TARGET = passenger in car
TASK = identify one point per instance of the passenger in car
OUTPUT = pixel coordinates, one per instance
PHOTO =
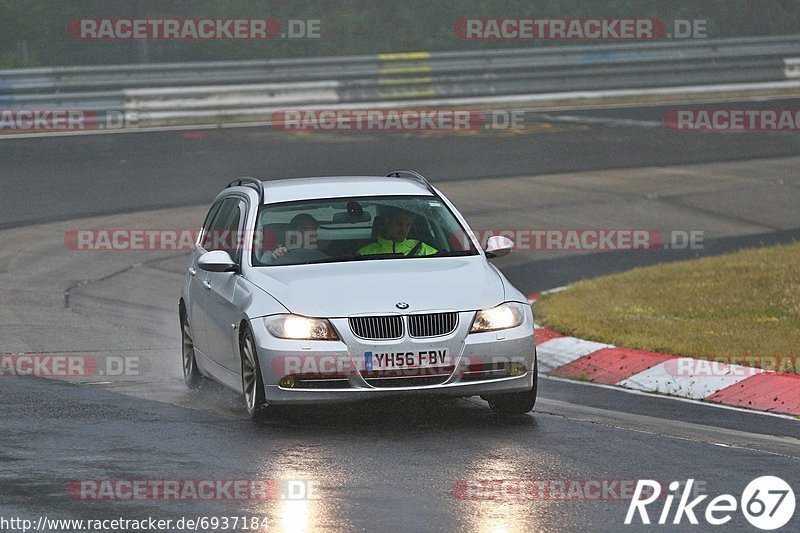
(301, 233)
(393, 237)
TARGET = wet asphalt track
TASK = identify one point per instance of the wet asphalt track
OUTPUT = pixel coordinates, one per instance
(377, 467)
(390, 465)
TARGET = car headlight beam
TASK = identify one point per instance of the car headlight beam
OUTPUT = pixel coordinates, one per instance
(503, 316)
(298, 327)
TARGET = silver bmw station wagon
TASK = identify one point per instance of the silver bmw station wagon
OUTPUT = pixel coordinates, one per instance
(337, 289)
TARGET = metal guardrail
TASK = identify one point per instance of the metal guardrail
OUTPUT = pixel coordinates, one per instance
(210, 92)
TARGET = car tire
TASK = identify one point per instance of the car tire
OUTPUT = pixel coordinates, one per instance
(191, 374)
(516, 403)
(252, 383)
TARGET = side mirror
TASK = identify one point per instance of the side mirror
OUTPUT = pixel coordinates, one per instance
(498, 246)
(217, 261)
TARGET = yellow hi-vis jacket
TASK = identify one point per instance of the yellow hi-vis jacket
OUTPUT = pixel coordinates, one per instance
(386, 246)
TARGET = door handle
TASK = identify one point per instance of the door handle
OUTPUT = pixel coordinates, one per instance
(192, 271)
(206, 284)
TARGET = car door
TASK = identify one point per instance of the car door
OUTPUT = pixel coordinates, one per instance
(196, 290)
(222, 314)
(213, 238)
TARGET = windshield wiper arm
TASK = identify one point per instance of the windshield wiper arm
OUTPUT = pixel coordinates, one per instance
(454, 253)
(356, 258)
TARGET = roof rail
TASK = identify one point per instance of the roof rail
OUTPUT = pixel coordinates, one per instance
(414, 175)
(247, 181)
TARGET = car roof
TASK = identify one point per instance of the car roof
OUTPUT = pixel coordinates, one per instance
(292, 189)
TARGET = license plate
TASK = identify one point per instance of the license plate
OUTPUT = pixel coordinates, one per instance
(405, 360)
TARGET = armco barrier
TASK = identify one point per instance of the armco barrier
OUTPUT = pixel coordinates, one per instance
(219, 92)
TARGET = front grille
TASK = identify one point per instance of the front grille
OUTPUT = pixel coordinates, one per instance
(320, 382)
(432, 325)
(377, 327)
(420, 377)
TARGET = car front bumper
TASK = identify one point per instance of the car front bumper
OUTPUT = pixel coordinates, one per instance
(479, 365)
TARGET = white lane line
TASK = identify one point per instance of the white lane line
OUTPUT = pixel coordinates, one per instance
(667, 378)
(672, 398)
(533, 298)
(609, 121)
(562, 350)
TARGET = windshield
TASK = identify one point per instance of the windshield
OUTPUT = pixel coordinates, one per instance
(357, 229)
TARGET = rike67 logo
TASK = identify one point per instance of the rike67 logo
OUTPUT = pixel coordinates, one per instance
(767, 503)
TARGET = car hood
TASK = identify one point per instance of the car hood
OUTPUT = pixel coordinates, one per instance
(358, 287)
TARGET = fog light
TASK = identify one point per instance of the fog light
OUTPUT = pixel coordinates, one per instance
(286, 382)
(515, 369)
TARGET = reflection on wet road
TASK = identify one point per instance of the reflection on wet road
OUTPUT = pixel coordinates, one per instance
(426, 464)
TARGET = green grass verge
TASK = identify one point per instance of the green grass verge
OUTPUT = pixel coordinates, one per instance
(730, 307)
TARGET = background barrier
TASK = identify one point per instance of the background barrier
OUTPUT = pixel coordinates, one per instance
(247, 91)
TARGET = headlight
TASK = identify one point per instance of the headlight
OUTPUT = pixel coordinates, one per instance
(300, 327)
(504, 316)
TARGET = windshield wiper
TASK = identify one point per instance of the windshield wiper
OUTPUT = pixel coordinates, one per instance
(356, 258)
(454, 253)
(397, 255)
